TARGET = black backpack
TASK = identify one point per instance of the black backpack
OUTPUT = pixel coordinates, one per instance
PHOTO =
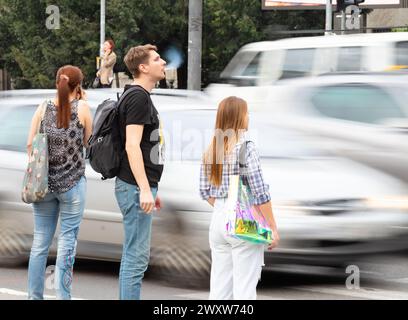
(106, 146)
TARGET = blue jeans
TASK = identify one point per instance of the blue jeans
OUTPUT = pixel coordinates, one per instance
(136, 247)
(70, 207)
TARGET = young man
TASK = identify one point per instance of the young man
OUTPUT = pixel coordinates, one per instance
(141, 167)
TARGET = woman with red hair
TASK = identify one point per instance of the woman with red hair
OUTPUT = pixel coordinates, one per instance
(67, 122)
(108, 61)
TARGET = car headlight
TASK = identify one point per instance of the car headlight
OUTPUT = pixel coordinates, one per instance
(339, 206)
(322, 207)
(390, 202)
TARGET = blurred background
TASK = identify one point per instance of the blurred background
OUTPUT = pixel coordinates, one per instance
(329, 115)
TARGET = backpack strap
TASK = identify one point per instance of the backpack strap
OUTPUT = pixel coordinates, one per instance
(122, 100)
(134, 89)
(122, 97)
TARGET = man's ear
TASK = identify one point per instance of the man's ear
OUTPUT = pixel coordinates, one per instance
(143, 68)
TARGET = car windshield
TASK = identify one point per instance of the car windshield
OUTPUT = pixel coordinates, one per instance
(358, 102)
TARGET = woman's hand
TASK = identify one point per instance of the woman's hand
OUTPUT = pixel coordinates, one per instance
(82, 94)
(211, 201)
(275, 241)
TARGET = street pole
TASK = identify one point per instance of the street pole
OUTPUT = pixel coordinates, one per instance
(329, 17)
(102, 40)
(195, 9)
(343, 21)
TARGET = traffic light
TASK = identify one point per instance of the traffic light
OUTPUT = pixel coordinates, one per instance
(342, 4)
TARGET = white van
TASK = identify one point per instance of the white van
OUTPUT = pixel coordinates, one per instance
(264, 63)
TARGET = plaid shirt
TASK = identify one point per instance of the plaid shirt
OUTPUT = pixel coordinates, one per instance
(252, 172)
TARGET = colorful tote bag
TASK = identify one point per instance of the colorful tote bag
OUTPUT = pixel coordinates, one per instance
(244, 220)
(35, 183)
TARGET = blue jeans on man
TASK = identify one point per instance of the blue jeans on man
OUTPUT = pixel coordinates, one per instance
(136, 246)
(69, 207)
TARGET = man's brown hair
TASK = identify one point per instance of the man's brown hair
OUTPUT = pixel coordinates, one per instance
(137, 56)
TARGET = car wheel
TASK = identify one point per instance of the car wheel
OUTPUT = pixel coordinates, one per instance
(180, 264)
(14, 247)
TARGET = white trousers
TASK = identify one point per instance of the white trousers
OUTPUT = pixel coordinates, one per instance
(236, 264)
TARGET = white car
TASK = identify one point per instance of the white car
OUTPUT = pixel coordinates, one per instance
(258, 67)
(328, 210)
(363, 117)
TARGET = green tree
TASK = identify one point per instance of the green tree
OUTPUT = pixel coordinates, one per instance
(32, 53)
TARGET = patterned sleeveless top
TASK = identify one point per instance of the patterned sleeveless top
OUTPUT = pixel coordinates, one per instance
(65, 147)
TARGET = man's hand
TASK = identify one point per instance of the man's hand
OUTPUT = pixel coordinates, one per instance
(146, 201)
(158, 204)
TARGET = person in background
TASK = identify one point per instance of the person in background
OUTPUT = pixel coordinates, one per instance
(108, 60)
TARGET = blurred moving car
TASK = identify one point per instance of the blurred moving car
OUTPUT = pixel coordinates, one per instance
(329, 210)
(361, 116)
(259, 66)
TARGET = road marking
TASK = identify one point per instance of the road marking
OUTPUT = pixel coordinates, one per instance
(363, 293)
(25, 294)
(204, 296)
(194, 296)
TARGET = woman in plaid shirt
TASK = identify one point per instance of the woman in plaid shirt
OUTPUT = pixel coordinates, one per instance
(236, 264)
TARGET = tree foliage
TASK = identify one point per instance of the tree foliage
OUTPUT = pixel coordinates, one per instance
(32, 53)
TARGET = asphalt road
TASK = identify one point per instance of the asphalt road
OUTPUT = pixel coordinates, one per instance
(385, 278)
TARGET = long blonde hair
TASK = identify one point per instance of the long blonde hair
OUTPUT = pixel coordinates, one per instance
(231, 122)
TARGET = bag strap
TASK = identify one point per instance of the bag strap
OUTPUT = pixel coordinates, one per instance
(122, 97)
(134, 89)
(243, 155)
(43, 109)
(242, 161)
(121, 100)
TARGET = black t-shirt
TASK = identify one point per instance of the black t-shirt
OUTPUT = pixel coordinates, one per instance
(138, 108)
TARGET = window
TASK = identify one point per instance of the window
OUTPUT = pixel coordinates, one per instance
(252, 68)
(243, 69)
(297, 63)
(355, 102)
(402, 54)
(244, 62)
(349, 59)
(14, 127)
